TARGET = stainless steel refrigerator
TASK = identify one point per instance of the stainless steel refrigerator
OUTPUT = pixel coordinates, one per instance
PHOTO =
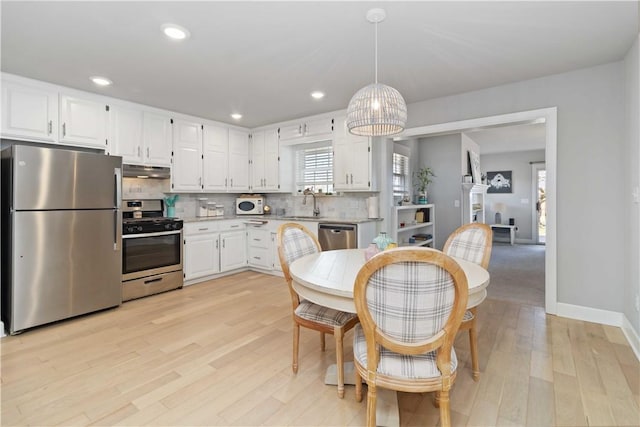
(61, 234)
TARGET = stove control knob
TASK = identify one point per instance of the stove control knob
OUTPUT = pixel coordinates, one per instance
(175, 226)
(139, 228)
(130, 229)
(167, 226)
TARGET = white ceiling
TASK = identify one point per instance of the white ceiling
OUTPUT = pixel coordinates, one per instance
(503, 139)
(262, 59)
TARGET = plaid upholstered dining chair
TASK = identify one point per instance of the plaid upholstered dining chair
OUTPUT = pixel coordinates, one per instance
(471, 242)
(410, 302)
(295, 241)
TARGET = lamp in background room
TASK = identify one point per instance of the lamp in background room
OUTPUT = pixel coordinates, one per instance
(499, 209)
(376, 109)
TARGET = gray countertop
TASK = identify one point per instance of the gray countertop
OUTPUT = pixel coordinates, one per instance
(285, 218)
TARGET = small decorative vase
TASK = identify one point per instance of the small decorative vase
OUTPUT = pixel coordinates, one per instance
(498, 218)
(382, 241)
(171, 211)
(370, 251)
(422, 198)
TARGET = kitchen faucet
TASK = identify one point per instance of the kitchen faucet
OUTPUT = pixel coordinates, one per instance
(306, 192)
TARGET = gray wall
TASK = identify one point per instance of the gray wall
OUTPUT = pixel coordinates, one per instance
(632, 181)
(591, 217)
(442, 154)
(522, 187)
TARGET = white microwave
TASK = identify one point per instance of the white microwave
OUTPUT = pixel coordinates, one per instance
(250, 206)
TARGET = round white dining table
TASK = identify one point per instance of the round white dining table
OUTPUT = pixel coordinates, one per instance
(327, 278)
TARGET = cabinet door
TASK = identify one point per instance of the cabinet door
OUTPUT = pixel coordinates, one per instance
(82, 122)
(341, 164)
(125, 136)
(238, 161)
(359, 160)
(187, 156)
(201, 255)
(271, 160)
(157, 139)
(318, 127)
(233, 253)
(291, 132)
(30, 113)
(275, 259)
(257, 161)
(215, 146)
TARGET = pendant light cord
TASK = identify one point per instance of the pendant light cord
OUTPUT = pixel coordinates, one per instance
(376, 50)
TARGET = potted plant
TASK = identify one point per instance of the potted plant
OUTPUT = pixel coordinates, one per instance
(422, 178)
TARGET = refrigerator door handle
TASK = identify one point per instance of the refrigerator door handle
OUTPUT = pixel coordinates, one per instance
(117, 231)
(117, 174)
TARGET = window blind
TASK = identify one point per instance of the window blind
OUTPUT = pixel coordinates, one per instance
(400, 174)
(314, 167)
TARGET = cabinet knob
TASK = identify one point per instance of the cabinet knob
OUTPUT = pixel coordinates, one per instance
(64, 129)
(50, 129)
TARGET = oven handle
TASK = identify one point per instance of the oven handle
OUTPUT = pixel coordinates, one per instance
(159, 233)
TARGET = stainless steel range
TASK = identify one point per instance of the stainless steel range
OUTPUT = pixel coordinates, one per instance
(151, 250)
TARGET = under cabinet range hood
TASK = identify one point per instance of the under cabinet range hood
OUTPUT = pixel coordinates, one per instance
(138, 171)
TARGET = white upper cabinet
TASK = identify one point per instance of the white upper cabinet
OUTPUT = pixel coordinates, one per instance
(29, 112)
(125, 133)
(83, 122)
(238, 160)
(352, 161)
(307, 131)
(156, 139)
(186, 174)
(265, 161)
(215, 157)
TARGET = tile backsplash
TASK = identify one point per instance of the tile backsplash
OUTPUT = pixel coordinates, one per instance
(344, 206)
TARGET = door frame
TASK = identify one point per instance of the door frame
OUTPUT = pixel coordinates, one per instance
(549, 116)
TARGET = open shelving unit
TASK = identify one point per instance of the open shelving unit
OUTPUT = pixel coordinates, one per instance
(473, 203)
(407, 215)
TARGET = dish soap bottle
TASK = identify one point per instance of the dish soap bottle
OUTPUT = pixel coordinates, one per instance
(382, 241)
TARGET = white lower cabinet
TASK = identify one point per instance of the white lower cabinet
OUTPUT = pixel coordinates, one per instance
(259, 247)
(233, 252)
(213, 247)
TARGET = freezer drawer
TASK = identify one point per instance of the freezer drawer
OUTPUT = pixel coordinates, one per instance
(63, 264)
(338, 236)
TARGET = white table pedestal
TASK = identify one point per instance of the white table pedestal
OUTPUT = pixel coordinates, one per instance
(387, 410)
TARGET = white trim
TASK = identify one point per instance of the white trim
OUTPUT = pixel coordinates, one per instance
(543, 115)
(535, 167)
(2, 333)
(631, 335)
(589, 314)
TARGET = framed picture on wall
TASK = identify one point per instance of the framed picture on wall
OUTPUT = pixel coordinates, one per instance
(499, 182)
(474, 166)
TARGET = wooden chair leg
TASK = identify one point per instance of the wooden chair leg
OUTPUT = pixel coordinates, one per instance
(371, 405)
(436, 399)
(322, 341)
(296, 345)
(445, 415)
(358, 385)
(339, 335)
(473, 345)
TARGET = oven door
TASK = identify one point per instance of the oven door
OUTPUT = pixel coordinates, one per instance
(151, 253)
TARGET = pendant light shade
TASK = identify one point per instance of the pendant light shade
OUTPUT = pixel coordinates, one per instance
(376, 109)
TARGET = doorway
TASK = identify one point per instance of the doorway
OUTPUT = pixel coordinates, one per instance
(539, 181)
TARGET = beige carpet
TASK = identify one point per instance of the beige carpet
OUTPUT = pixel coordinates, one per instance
(517, 273)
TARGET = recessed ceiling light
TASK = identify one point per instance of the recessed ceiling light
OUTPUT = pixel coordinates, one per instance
(236, 116)
(101, 81)
(175, 32)
(317, 94)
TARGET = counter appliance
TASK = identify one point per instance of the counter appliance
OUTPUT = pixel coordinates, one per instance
(250, 205)
(61, 234)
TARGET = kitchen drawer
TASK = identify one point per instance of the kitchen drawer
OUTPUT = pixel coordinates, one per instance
(259, 238)
(259, 257)
(231, 225)
(200, 227)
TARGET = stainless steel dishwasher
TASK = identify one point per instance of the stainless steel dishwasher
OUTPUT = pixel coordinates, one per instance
(338, 236)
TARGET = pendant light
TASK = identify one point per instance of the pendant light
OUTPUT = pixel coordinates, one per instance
(376, 109)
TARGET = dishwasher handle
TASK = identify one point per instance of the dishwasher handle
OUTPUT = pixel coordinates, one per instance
(338, 227)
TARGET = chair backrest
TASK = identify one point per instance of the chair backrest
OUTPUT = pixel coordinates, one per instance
(294, 241)
(411, 301)
(471, 242)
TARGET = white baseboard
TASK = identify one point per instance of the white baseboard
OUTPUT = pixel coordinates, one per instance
(632, 336)
(2, 334)
(589, 314)
(605, 317)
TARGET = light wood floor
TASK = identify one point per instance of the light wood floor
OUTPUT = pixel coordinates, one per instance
(219, 353)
